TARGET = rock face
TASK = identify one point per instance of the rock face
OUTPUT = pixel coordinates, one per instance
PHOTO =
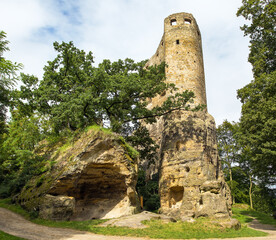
(191, 180)
(93, 178)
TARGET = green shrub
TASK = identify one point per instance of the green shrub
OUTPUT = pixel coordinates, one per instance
(149, 191)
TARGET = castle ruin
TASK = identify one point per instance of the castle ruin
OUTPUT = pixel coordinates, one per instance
(191, 182)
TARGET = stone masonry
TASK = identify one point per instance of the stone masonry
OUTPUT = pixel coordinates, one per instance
(191, 181)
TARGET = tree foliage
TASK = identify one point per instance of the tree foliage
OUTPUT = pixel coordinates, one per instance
(262, 16)
(148, 190)
(258, 123)
(240, 172)
(74, 94)
(229, 151)
(7, 79)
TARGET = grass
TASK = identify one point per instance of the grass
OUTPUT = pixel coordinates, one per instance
(131, 151)
(202, 228)
(6, 203)
(98, 128)
(246, 215)
(6, 236)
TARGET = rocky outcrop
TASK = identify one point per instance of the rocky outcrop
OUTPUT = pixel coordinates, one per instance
(93, 178)
(191, 181)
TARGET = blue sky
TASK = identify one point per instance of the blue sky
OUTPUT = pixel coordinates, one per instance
(117, 29)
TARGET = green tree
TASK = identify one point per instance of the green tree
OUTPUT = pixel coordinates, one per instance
(241, 190)
(262, 15)
(229, 150)
(18, 162)
(248, 171)
(239, 169)
(148, 190)
(258, 123)
(8, 78)
(74, 94)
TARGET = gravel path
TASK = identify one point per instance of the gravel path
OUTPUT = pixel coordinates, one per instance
(18, 226)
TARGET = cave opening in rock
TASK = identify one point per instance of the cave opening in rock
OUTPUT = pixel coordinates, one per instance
(176, 196)
(100, 192)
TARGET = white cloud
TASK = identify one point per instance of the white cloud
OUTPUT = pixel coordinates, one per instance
(132, 28)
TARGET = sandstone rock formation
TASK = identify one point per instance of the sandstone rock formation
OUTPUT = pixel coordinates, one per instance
(93, 178)
(191, 180)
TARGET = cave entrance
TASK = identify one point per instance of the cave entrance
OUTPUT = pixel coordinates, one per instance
(100, 192)
(175, 196)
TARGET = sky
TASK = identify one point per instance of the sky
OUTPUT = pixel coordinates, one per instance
(119, 29)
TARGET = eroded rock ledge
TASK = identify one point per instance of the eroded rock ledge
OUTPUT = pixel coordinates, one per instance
(93, 178)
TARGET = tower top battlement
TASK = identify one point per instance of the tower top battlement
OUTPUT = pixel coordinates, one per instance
(179, 20)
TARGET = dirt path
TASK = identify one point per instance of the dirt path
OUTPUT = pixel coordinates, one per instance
(18, 226)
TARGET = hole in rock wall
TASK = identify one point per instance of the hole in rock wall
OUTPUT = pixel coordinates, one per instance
(176, 196)
(177, 41)
(173, 22)
(187, 169)
(201, 201)
(97, 191)
(178, 145)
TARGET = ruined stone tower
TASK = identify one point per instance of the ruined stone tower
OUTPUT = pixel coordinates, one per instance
(191, 182)
(181, 49)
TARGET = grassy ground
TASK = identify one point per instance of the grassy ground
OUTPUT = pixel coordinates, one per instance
(6, 236)
(245, 215)
(202, 228)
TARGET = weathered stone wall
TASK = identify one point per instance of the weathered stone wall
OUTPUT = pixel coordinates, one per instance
(181, 49)
(191, 181)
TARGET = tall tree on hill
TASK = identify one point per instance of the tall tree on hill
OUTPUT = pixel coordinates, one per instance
(258, 123)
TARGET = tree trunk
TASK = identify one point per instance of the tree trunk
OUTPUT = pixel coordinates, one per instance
(231, 178)
(250, 191)
(231, 183)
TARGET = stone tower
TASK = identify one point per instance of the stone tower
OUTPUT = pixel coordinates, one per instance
(181, 49)
(191, 182)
